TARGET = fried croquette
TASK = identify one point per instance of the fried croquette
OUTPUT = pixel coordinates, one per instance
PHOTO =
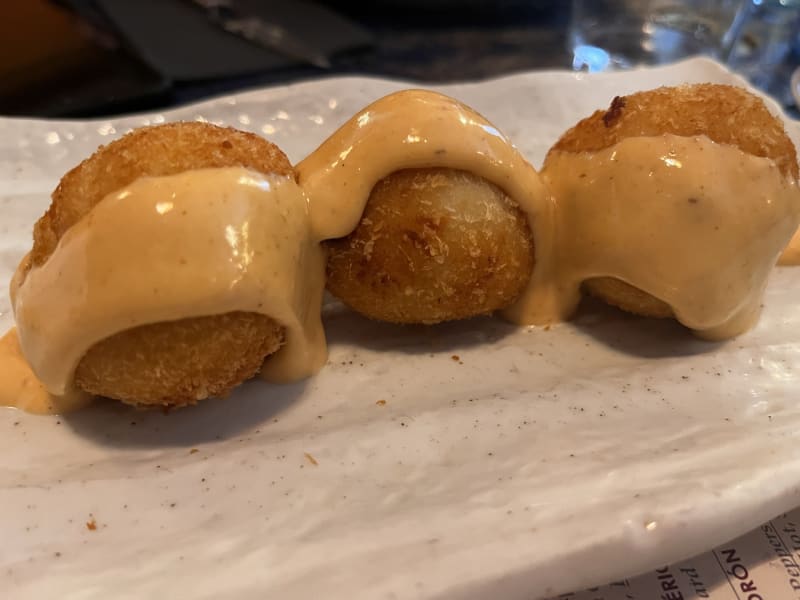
(725, 114)
(170, 363)
(433, 245)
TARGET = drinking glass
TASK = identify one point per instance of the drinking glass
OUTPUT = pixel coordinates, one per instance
(620, 34)
(763, 44)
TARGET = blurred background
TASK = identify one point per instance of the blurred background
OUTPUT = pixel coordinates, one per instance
(87, 58)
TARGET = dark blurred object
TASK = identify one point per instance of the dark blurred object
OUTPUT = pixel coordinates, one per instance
(459, 40)
(54, 65)
(146, 53)
(203, 50)
(263, 30)
(104, 57)
(449, 14)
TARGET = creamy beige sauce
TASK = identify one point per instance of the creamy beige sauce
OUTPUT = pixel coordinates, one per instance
(696, 224)
(693, 223)
(203, 242)
(21, 389)
(791, 254)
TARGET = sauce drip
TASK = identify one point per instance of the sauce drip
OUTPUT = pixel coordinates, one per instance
(791, 254)
(21, 389)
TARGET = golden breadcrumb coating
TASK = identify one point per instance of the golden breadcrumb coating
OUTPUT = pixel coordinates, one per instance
(623, 295)
(433, 245)
(723, 113)
(179, 362)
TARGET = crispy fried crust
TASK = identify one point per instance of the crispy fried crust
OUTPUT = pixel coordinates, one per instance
(179, 362)
(433, 245)
(723, 113)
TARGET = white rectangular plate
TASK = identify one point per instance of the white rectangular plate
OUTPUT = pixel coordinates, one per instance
(506, 462)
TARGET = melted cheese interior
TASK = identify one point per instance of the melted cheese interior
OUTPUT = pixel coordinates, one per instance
(694, 223)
